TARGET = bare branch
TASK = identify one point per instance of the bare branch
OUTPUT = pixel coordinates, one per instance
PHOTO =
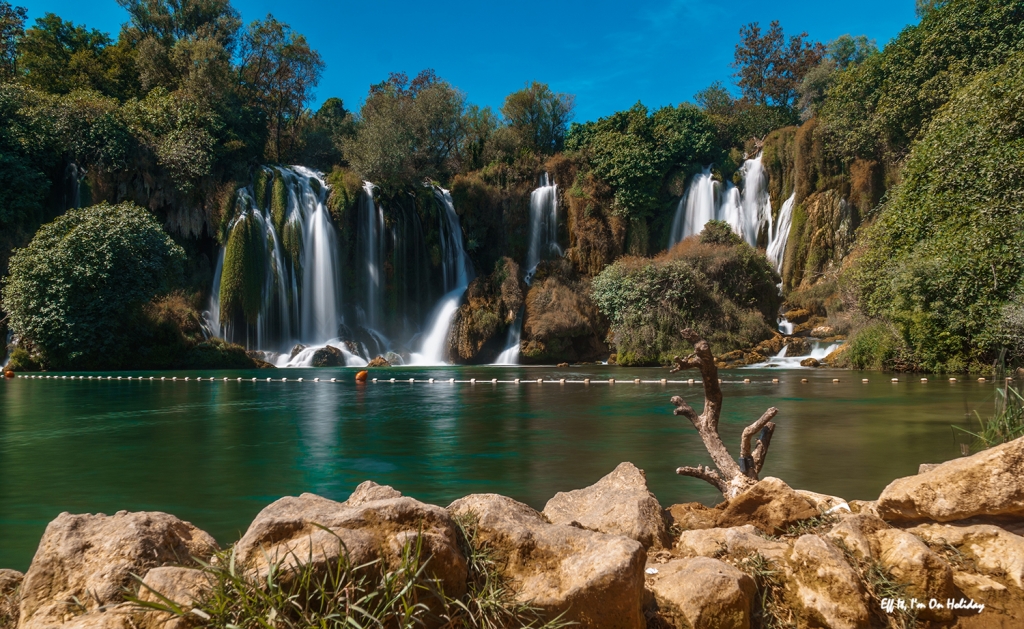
(761, 451)
(705, 474)
(684, 409)
(749, 431)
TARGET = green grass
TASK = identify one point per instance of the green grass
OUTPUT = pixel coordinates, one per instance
(1006, 422)
(769, 607)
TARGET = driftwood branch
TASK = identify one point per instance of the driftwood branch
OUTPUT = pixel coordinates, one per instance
(731, 477)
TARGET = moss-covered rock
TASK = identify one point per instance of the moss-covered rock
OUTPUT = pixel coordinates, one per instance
(492, 304)
(561, 321)
(279, 203)
(821, 235)
(244, 273)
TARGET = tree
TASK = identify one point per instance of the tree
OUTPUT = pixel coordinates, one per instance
(769, 70)
(12, 27)
(71, 292)
(538, 117)
(408, 131)
(924, 7)
(57, 56)
(730, 478)
(277, 73)
(479, 125)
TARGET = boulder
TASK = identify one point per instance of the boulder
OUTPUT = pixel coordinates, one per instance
(736, 541)
(594, 579)
(797, 315)
(379, 361)
(702, 593)
(823, 332)
(910, 561)
(828, 592)
(810, 362)
(93, 557)
(837, 358)
(989, 483)
(184, 586)
(369, 491)
(311, 530)
(328, 356)
(618, 504)
(797, 346)
(770, 505)
(296, 351)
(690, 516)
(10, 580)
(857, 532)
(864, 506)
(994, 550)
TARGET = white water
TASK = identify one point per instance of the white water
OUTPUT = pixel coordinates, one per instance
(543, 244)
(371, 245)
(457, 270)
(781, 361)
(785, 326)
(747, 211)
(776, 252)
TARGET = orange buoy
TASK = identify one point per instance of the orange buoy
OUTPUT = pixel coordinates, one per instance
(8, 374)
(361, 376)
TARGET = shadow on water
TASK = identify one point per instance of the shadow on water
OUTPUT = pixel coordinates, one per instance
(215, 453)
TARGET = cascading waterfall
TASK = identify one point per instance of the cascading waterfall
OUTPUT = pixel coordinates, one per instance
(543, 244)
(293, 238)
(781, 360)
(777, 245)
(371, 245)
(747, 210)
(457, 271)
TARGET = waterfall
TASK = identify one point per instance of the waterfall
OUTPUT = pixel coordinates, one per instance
(371, 245)
(781, 360)
(457, 271)
(300, 296)
(543, 244)
(543, 225)
(746, 210)
(777, 245)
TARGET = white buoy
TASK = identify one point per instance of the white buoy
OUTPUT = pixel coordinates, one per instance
(239, 380)
(392, 380)
(516, 380)
(174, 378)
(864, 380)
(431, 381)
(254, 379)
(835, 380)
(952, 379)
(664, 380)
(894, 380)
(803, 379)
(412, 380)
(981, 380)
(451, 380)
(690, 381)
(636, 381)
(611, 380)
(334, 379)
(494, 381)
(746, 381)
(561, 381)
(316, 379)
(270, 379)
(924, 379)
(775, 380)
(472, 380)
(284, 379)
(540, 381)
(300, 379)
(586, 381)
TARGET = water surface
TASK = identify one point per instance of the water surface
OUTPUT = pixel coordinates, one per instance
(215, 453)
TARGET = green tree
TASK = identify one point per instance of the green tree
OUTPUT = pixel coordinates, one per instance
(538, 117)
(71, 292)
(12, 27)
(58, 56)
(278, 72)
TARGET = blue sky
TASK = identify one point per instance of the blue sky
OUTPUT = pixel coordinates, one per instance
(609, 54)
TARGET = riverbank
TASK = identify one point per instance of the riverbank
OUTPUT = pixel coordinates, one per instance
(605, 556)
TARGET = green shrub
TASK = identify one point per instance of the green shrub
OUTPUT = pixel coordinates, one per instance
(727, 293)
(72, 290)
(946, 253)
(719, 233)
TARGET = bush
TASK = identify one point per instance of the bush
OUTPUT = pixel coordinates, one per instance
(946, 254)
(726, 292)
(73, 290)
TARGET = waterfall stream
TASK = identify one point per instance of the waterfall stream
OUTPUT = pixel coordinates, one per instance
(747, 211)
(777, 245)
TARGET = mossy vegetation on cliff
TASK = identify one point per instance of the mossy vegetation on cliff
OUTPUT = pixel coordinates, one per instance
(711, 283)
(242, 279)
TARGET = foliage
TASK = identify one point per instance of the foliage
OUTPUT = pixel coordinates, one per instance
(278, 71)
(1006, 422)
(726, 292)
(946, 255)
(841, 53)
(879, 107)
(634, 151)
(768, 68)
(538, 118)
(242, 276)
(718, 233)
(70, 290)
(409, 130)
(12, 27)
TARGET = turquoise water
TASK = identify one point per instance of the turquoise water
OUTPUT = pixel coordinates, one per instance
(215, 453)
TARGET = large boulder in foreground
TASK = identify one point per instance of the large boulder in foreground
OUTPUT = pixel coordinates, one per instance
(596, 580)
(184, 586)
(376, 523)
(990, 483)
(618, 504)
(92, 558)
(993, 550)
(828, 592)
(770, 504)
(702, 593)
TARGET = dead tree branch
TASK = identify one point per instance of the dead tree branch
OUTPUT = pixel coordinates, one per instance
(730, 477)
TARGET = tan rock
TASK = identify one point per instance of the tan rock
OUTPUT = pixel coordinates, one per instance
(995, 551)
(703, 593)
(691, 516)
(93, 557)
(596, 580)
(312, 530)
(810, 362)
(369, 491)
(864, 506)
(988, 483)
(182, 586)
(857, 532)
(837, 358)
(10, 580)
(618, 504)
(770, 505)
(736, 541)
(824, 502)
(827, 590)
(910, 561)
